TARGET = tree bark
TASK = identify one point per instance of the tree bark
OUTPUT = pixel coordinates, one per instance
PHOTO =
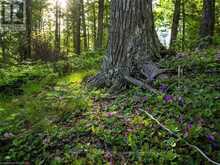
(77, 27)
(2, 44)
(184, 25)
(27, 52)
(94, 24)
(100, 24)
(84, 25)
(67, 38)
(132, 45)
(208, 19)
(57, 28)
(175, 24)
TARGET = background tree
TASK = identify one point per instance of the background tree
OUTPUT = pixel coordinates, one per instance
(94, 31)
(217, 19)
(78, 28)
(2, 44)
(84, 27)
(100, 23)
(57, 26)
(27, 53)
(208, 19)
(175, 24)
(76, 25)
(183, 24)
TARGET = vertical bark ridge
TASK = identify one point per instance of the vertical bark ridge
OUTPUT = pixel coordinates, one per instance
(208, 18)
(130, 24)
(132, 42)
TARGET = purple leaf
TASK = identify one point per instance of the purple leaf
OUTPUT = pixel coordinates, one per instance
(110, 114)
(189, 126)
(168, 98)
(163, 88)
(211, 138)
(145, 98)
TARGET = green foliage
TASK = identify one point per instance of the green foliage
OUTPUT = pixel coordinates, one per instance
(57, 120)
(216, 40)
(87, 60)
(195, 61)
(11, 75)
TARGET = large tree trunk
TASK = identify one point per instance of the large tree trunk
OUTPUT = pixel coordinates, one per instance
(175, 24)
(208, 19)
(100, 24)
(132, 46)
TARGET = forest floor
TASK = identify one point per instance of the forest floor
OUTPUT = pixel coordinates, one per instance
(49, 115)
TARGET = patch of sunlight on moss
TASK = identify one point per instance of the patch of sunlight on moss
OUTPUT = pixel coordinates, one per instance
(7, 114)
(1, 109)
(76, 78)
(11, 116)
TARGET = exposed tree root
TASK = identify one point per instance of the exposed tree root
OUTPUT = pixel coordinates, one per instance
(97, 81)
(152, 72)
(141, 84)
(118, 79)
(167, 52)
(100, 81)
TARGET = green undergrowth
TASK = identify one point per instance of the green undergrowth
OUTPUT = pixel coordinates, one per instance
(57, 119)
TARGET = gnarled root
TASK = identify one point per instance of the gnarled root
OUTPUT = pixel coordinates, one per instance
(98, 81)
(118, 80)
(141, 84)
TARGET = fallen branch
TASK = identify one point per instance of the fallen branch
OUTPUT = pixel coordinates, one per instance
(172, 133)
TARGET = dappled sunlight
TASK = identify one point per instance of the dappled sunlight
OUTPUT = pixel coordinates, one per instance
(93, 82)
(61, 3)
(76, 78)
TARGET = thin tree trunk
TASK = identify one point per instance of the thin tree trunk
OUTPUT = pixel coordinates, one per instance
(94, 24)
(175, 24)
(67, 35)
(87, 38)
(78, 28)
(132, 47)
(28, 40)
(73, 14)
(100, 24)
(208, 19)
(57, 29)
(106, 23)
(84, 26)
(184, 24)
(2, 44)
